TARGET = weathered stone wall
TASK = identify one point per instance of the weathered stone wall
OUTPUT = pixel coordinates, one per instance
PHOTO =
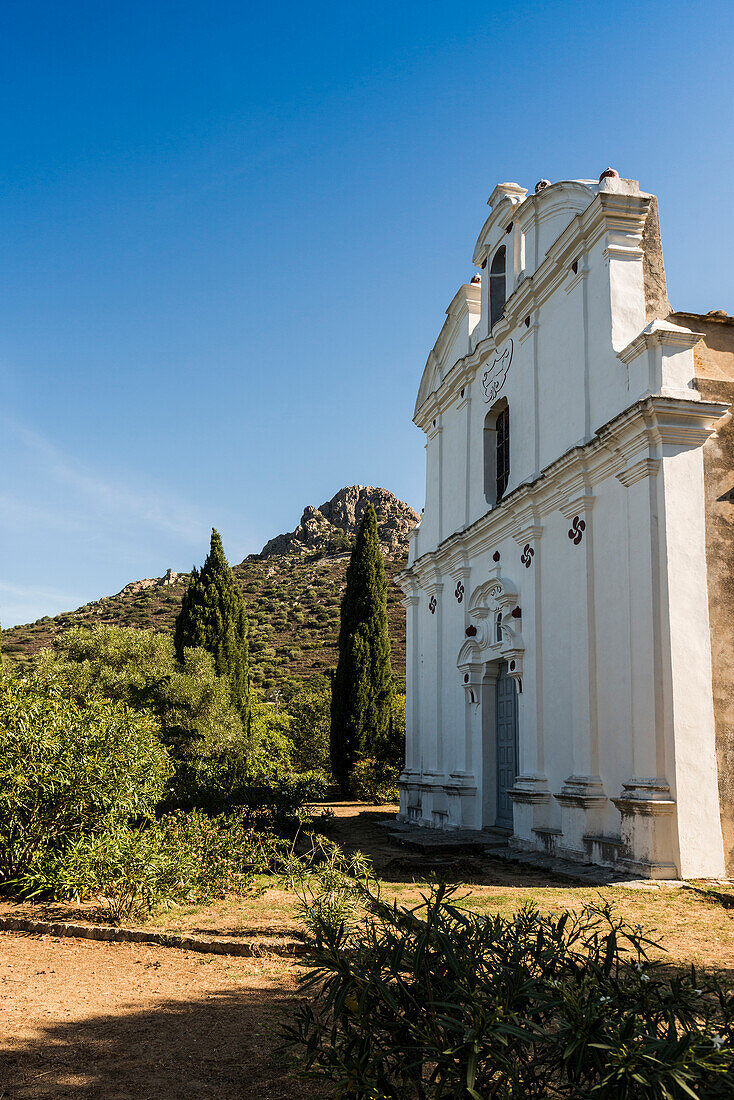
(653, 268)
(714, 358)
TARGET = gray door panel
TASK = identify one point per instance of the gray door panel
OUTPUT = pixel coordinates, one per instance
(506, 722)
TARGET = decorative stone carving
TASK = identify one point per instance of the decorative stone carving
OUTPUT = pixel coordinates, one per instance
(493, 379)
(496, 595)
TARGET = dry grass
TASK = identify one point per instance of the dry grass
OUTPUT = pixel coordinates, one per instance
(100, 1021)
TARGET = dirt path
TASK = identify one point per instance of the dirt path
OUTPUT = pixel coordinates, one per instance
(100, 1021)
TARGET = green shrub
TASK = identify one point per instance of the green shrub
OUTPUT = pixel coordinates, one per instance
(127, 870)
(443, 1003)
(181, 857)
(263, 785)
(278, 802)
(374, 781)
(69, 767)
(139, 667)
(309, 710)
(198, 724)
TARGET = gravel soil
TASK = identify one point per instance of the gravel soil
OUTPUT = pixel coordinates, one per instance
(84, 1020)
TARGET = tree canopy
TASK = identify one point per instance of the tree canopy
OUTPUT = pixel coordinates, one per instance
(212, 617)
(362, 692)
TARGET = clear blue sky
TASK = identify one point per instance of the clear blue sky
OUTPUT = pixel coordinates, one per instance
(230, 231)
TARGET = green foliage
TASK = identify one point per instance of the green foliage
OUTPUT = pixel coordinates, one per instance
(280, 802)
(440, 1002)
(181, 857)
(363, 684)
(309, 711)
(198, 724)
(127, 870)
(375, 781)
(262, 786)
(272, 745)
(68, 767)
(212, 617)
(331, 887)
(274, 794)
(395, 750)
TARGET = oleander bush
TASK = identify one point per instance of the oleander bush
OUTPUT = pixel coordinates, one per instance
(436, 1002)
(69, 767)
(178, 858)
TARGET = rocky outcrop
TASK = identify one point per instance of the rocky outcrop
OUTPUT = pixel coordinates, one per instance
(130, 589)
(334, 524)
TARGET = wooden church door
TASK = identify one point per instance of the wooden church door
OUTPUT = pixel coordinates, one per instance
(506, 740)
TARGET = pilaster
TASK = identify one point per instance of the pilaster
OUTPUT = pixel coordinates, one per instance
(411, 603)
(648, 824)
(582, 798)
(669, 805)
(433, 756)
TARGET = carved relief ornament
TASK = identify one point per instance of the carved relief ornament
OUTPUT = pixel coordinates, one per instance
(493, 610)
(494, 377)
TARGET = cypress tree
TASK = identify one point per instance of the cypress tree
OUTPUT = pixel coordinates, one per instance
(213, 617)
(362, 689)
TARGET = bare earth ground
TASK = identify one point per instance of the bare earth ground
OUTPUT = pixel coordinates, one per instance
(89, 1020)
(111, 1021)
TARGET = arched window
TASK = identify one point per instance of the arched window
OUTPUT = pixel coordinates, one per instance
(497, 286)
(498, 627)
(502, 429)
(496, 452)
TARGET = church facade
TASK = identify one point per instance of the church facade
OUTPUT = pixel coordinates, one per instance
(570, 588)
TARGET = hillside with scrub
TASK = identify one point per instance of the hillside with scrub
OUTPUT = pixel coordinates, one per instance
(292, 590)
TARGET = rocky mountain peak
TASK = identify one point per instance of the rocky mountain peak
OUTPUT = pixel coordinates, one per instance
(335, 523)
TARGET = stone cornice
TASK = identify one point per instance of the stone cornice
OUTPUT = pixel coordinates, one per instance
(504, 201)
(461, 374)
(528, 207)
(628, 447)
(659, 333)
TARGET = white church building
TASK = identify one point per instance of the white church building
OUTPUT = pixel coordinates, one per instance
(570, 587)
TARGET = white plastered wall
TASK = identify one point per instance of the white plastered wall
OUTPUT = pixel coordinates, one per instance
(616, 755)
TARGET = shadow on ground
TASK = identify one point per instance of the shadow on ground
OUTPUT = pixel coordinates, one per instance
(224, 1046)
(361, 830)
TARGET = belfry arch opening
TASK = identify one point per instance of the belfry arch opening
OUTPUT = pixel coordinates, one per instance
(497, 286)
(496, 452)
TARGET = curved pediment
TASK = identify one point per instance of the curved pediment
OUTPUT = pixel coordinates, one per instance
(430, 381)
(496, 594)
(453, 340)
(498, 635)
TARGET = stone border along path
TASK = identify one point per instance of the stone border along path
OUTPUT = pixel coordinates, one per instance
(244, 948)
